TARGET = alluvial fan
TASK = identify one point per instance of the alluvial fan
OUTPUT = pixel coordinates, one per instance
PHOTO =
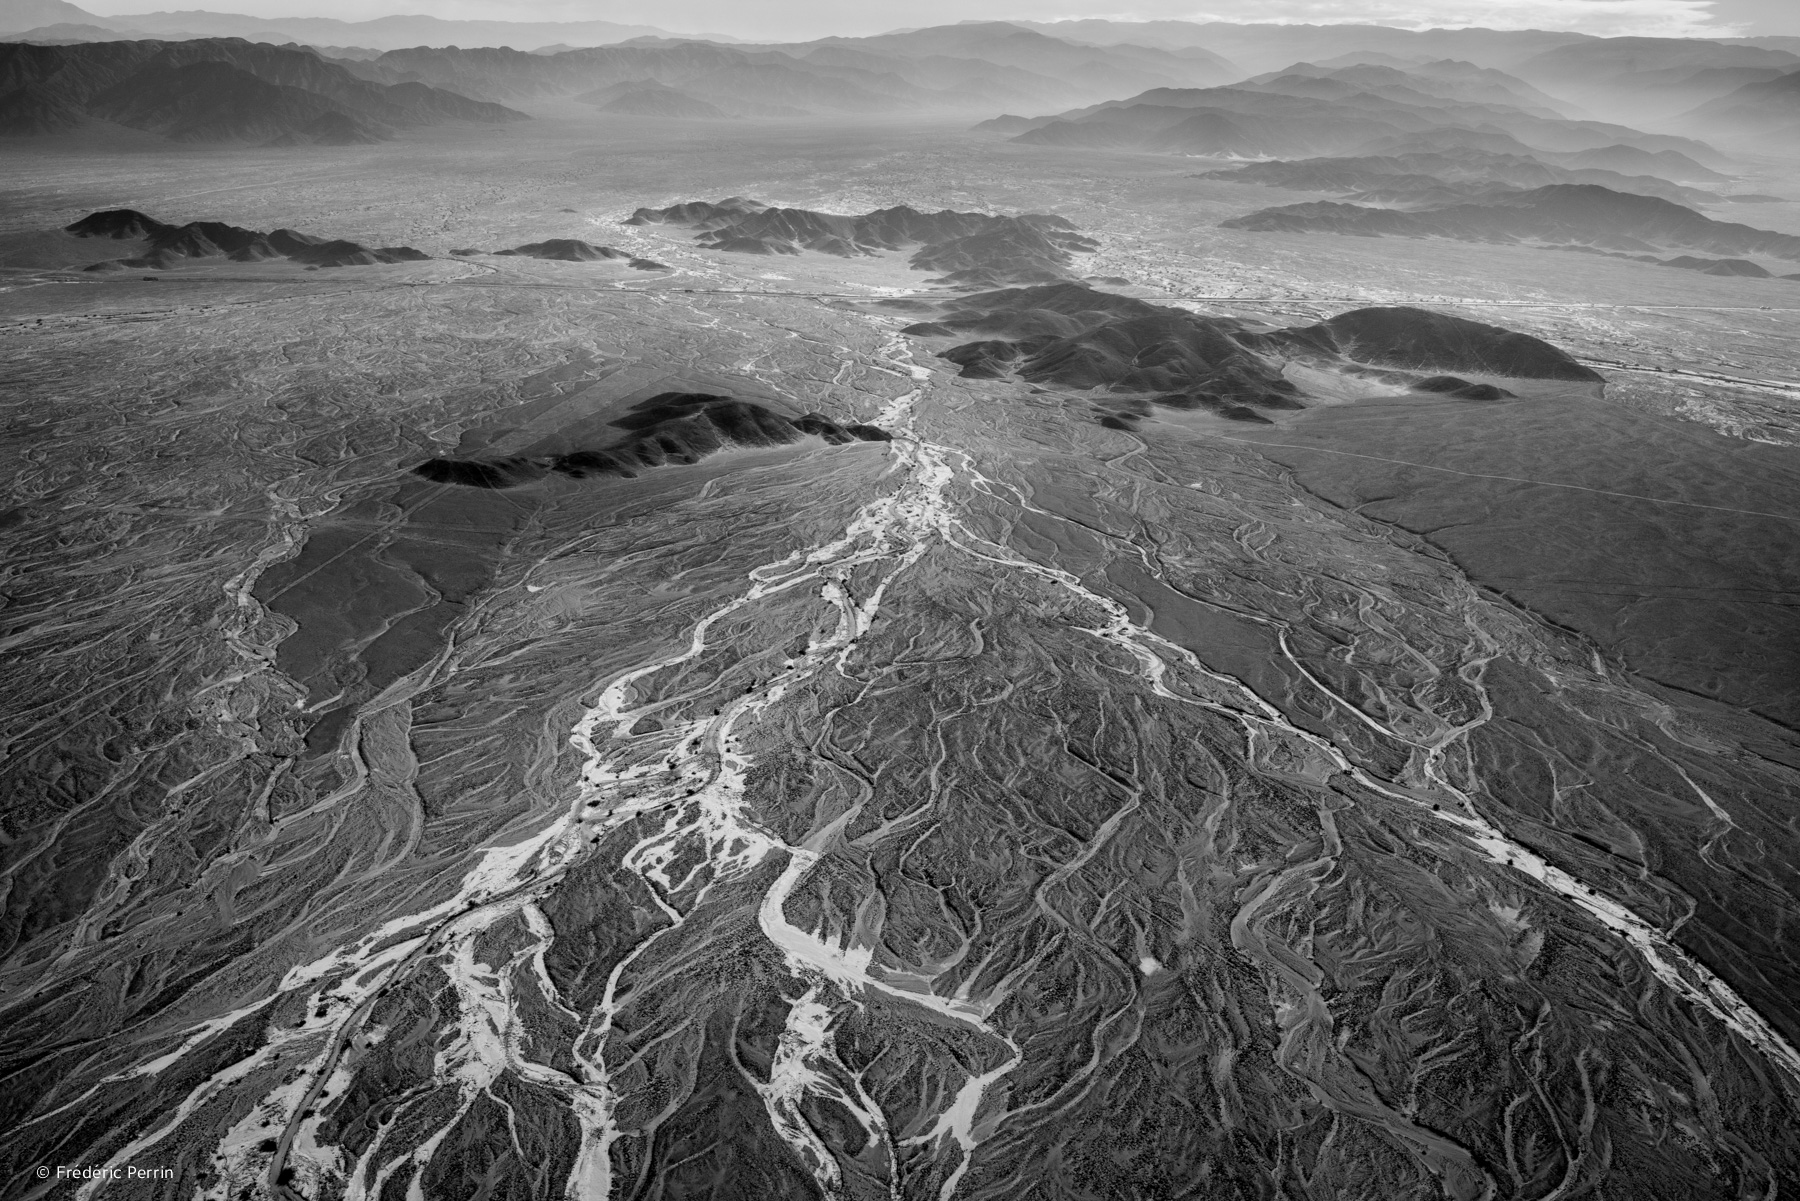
(777, 753)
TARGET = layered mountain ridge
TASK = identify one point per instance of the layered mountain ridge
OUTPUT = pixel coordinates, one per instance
(216, 90)
(949, 69)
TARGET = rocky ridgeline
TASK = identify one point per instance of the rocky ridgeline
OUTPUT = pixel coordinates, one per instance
(1072, 336)
(975, 249)
(168, 246)
(668, 429)
(572, 250)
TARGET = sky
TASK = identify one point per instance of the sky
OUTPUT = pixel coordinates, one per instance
(789, 19)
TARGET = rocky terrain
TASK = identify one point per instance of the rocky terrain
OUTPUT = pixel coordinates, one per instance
(971, 249)
(159, 246)
(671, 428)
(978, 674)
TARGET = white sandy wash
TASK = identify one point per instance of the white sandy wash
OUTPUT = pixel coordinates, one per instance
(699, 786)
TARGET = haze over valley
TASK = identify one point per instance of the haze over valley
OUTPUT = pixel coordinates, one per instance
(1019, 609)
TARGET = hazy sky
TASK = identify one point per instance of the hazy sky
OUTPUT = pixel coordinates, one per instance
(785, 19)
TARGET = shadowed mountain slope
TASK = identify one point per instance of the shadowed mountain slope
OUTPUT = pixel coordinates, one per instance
(669, 429)
(213, 90)
(568, 250)
(1420, 340)
(1070, 336)
(164, 246)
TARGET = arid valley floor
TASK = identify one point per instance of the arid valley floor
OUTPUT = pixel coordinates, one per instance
(1393, 797)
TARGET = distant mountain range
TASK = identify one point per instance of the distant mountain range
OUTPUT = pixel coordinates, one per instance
(1265, 47)
(1653, 78)
(1198, 90)
(1308, 110)
(216, 90)
(381, 33)
(963, 68)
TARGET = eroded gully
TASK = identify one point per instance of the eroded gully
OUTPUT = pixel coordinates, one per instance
(699, 787)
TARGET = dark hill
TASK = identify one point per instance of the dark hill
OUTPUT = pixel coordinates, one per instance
(668, 429)
(1559, 214)
(1070, 335)
(1073, 336)
(567, 250)
(1012, 250)
(1462, 389)
(1420, 340)
(117, 223)
(163, 246)
(1738, 267)
(1058, 310)
(969, 248)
